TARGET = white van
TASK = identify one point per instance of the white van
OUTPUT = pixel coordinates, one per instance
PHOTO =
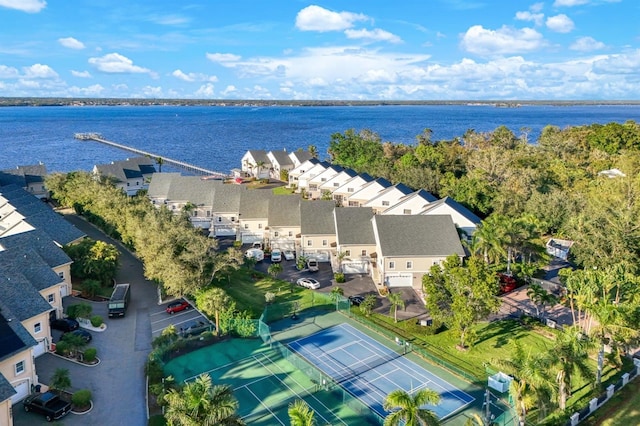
(254, 253)
(312, 265)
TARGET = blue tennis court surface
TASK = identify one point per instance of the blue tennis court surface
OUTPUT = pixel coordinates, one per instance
(370, 371)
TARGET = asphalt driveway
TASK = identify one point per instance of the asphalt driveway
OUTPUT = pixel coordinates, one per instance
(117, 384)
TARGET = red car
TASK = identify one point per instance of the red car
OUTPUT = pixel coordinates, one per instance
(177, 306)
(507, 283)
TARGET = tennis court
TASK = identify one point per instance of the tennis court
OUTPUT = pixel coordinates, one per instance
(370, 370)
(264, 383)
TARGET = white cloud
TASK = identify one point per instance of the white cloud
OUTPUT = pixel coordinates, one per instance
(627, 63)
(152, 92)
(193, 77)
(223, 57)
(71, 43)
(536, 7)
(536, 18)
(205, 91)
(8, 72)
(503, 41)
(375, 35)
(81, 74)
(116, 63)
(587, 44)
(39, 71)
(229, 90)
(569, 3)
(29, 6)
(94, 90)
(169, 19)
(316, 18)
(560, 23)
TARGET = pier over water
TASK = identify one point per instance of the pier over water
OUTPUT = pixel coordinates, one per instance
(97, 137)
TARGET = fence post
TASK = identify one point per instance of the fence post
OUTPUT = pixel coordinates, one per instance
(575, 419)
(593, 405)
(610, 391)
(636, 362)
(625, 379)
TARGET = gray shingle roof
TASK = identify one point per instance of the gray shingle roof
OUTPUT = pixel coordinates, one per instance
(282, 158)
(40, 215)
(31, 265)
(226, 198)
(284, 210)
(130, 168)
(468, 214)
(316, 217)
(6, 389)
(353, 225)
(301, 156)
(23, 175)
(39, 241)
(193, 189)
(19, 293)
(254, 204)
(8, 178)
(408, 235)
(14, 338)
(160, 183)
(112, 170)
(259, 155)
(146, 165)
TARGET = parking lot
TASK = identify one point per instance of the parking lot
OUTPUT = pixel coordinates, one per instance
(182, 320)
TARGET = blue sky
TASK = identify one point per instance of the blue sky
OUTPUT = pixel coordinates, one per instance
(292, 49)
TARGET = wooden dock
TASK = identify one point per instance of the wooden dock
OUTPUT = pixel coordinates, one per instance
(97, 137)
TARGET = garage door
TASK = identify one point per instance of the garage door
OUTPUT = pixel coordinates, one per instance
(40, 348)
(399, 280)
(357, 267)
(225, 231)
(250, 237)
(283, 244)
(22, 390)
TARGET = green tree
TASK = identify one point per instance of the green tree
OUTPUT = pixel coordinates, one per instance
(274, 270)
(367, 305)
(213, 302)
(540, 298)
(226, 262)
(90, 288)
(459, 296)
(395, 299)
(336, 293)
(570, 355)
(359, 151)
(300, 414)
(201, 403)
(60, 380)
(408, 409)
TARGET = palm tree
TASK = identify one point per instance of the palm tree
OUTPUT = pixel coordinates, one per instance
(487, 241)
(60, 380)
(202, 403)
(336, 293)
(300, 414)
(532, 384)
(408, 409)
(395, 299)
(274, 270)
(570, 355)
(259, 166)
(540, 298)
(212, 302)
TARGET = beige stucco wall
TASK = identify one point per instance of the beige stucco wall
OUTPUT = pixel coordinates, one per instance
(315, 242)
(356, 250)
(8, 368)
(56, 292)
(45, 330)
(5, 413)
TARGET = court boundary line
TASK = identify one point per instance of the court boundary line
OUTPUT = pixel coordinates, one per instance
(239, 361)
(296, 393)
(264, 405)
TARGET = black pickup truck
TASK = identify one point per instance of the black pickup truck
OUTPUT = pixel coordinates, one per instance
(48, 404)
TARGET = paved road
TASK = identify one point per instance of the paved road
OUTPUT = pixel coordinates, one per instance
(118, 382)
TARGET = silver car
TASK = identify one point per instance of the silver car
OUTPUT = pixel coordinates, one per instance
(308, 283)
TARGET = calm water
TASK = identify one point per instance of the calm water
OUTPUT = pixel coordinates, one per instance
(217, 137)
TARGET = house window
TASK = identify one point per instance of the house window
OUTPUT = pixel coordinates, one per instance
(37, 327)
(246, 226)
(325, 243)
(309, 243)
(259, 226)
(127, 183)
(52, 298)
(385, 203)
(233, 219)
(291, 233)
(20, 367)
(195, 213)
(137, 183)
(363, 253)
(208, 213)
(349, 189)
(392, 265)
(336, 184)
(323, 179)
(353, 204)
(347, 253)
(409, 264)
(276, 234)
(218, 219)
(61, 275)
(406, 211)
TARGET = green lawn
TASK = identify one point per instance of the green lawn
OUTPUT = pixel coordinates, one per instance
(622, 409)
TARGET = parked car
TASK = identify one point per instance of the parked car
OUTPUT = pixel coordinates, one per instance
(257, 245)
(49, 404)
(64, 324)
(507, 283)
(308, 283)
(312, 265)
(195, 328)
(177, 306)
(86, 336)
(289, 255)
(254, 253)
(356, 300)
(276, 255)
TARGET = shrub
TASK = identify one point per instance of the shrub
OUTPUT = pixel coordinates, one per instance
(154, 371)
(62, 348)
(339, 277)
(237, 244)
(79, 310)
(157, 420)
(90, 354)
(269, 297)
(96, 321)
(81, 398)
(384, 291)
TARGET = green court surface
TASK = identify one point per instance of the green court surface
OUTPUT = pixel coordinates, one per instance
(263, 381)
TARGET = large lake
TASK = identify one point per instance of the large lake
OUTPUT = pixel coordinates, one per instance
(216, 137)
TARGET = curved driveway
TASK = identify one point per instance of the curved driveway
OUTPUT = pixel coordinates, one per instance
(118, 382)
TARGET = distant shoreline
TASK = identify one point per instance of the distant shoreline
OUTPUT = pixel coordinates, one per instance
(79, 102)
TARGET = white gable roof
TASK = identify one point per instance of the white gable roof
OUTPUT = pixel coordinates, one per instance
(388, 197)
(370, 190)
(413, 203)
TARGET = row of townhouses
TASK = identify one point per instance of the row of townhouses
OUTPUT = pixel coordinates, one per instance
(35, 274)
(261, 164)
(130, 175)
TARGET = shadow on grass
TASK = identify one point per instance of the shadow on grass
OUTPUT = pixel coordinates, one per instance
(505, 331)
